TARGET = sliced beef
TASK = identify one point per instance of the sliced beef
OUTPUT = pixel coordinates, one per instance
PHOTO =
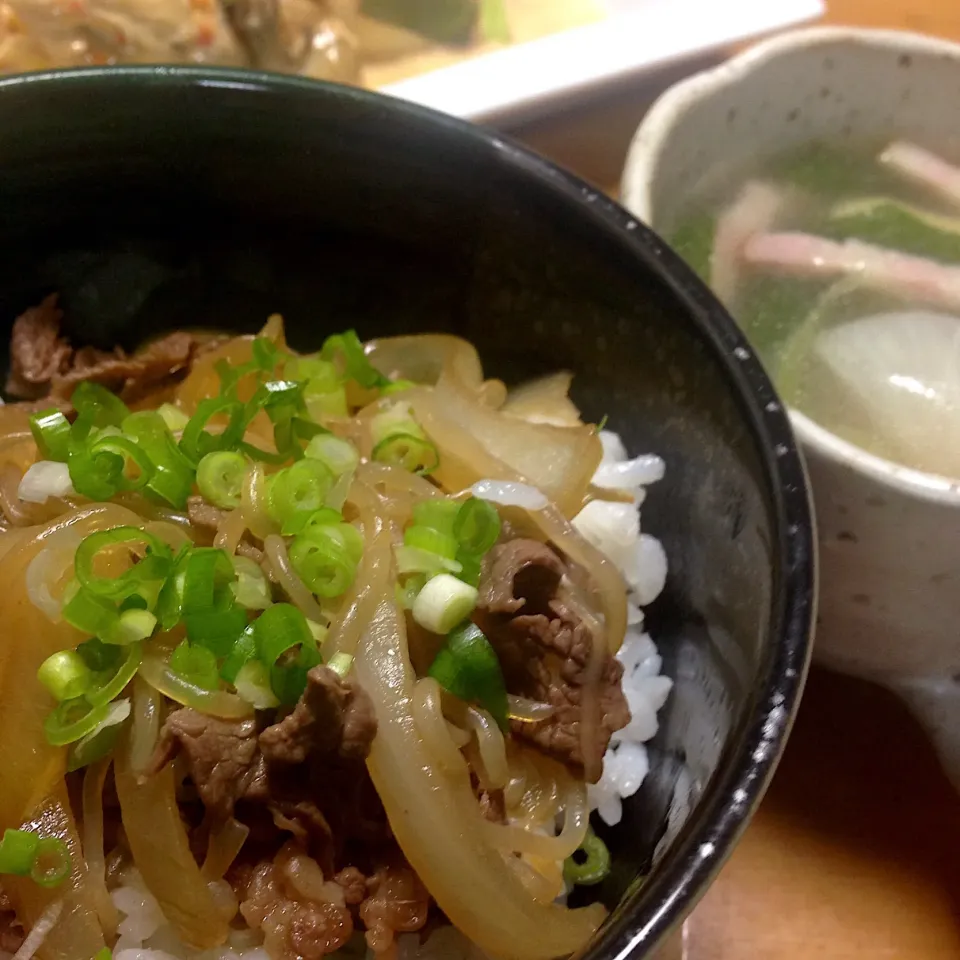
(334, 717)
(287, 768)
(396, 902)
(305, 916)
(134, 375)
(43, 363)
(305, 821)
(204, 516)
(520, 573)
(223, 757)
(37, 351)
(302, 916)
(354, 885)
(545, 650)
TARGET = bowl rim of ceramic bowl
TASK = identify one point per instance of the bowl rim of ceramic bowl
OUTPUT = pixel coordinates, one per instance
(643, 159)
(648, 912)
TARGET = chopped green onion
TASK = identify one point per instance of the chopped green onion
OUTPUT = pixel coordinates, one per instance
(156, 565)
(396, 419)
(207, 575)
(51, 865)
(110, 680)
(590, 864)
(65, 675)
(173, 417)
(348, 350)
(170, 601)
(196, 665)
(220, 478)
(266, 354)
(196, 441)
(251, 590)
(97, 405)
(396, 386)
(253, 685)
(88, 612)
(444, 602)
(101, 740)
(289, 680)
(438, 514)
(18, 850)
(244, 650)
(471, 567)
(280, 399)
(338, 455)
(128, 452)
(173, 475)
(467, 666)
(477, 526)
(433, 541)
(340, 664)
(346, 534)
(97, 477)
(297, 492)
(409, 590)
(324, 560)
(73, 719)
(278, 629)
(415, 560)
(324, 517)
(410, 452)
(210, 612)
(130, 627)
(322, 373)
(102, 658)
(326, 404)
(217, 629)
(51, 432)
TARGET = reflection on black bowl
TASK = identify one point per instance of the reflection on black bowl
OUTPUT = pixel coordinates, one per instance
(158, 197)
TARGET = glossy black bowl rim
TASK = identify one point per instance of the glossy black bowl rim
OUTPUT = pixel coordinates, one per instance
(747, 766)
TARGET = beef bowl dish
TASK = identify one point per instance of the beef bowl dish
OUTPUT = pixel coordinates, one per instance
(330, 622)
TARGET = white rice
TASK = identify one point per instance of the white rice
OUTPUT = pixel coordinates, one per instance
(613, 528)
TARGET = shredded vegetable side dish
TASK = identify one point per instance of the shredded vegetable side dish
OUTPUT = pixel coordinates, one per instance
(311, 653)
(366, 42)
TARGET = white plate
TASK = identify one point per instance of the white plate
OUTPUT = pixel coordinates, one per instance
(638, 37)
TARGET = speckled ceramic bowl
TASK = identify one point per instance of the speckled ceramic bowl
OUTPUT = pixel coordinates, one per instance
(889, 537)
(160, 197)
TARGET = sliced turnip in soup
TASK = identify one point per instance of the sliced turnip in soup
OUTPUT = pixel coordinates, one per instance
(902, 370)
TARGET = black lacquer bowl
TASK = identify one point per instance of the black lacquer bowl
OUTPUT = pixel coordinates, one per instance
(153, 198)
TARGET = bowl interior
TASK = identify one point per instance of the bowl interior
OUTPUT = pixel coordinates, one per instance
(158, 198)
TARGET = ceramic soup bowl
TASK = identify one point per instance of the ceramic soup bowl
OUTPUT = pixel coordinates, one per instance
(889, 536)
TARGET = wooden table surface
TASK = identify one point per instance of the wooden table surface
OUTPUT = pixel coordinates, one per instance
(855, 851)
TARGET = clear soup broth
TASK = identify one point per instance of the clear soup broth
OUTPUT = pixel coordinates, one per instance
(843, 268)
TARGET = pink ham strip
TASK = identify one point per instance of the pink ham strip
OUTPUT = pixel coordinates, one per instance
(924, 168)
(899, 274)
(754, 211)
